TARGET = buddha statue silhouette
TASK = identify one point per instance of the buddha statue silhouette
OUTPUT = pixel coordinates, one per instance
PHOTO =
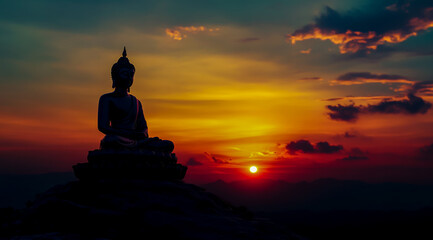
(120, 114)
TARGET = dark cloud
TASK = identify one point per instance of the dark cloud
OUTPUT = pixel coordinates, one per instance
(347, 113)
(325, 147)
(368, 75)
(312, 78)
(305, 146)
(355, 154)
(333, 99)
(354, 158)
(301, 145)
(412, 105)
(423, 88)
(193, 162)
(352, 98)
(350, 113)
(426, 152)
(351, 78)
(358, 31)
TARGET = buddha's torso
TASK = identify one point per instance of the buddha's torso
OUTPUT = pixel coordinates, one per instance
(123, 111)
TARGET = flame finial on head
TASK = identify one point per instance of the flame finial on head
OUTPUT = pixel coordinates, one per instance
(124, 51)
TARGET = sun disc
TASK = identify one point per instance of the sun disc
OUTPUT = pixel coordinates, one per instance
(253, 169)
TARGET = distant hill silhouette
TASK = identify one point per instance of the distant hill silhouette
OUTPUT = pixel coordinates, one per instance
(323, 194)
(16, 189)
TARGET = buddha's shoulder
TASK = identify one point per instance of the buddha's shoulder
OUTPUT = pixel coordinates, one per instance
(106, 96)
(132, 96)
(111, 95)
(135, 99)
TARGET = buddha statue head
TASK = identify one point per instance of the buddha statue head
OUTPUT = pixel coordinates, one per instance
(122, 72)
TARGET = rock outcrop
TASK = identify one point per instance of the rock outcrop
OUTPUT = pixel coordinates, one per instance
(137, 209)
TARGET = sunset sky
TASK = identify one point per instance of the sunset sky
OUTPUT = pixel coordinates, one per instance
(301, 89)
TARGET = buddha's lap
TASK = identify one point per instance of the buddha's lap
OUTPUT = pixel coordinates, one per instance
(114, 141)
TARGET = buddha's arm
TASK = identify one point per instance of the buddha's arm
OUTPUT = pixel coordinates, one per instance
(141, 122)
(104, 121)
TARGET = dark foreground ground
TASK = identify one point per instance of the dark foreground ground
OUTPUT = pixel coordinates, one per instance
(135, 209)
(337, 209)
(336, 224)
(356, 224)
(322, 209)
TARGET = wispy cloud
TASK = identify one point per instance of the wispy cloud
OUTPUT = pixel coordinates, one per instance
(306, 51)
(352, 78)
(180, 32)
(365, 98)
(217, 158)
(261, 154)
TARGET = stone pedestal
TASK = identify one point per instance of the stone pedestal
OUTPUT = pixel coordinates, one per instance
(127, 164)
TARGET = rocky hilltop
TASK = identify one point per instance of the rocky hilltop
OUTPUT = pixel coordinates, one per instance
(137, 209)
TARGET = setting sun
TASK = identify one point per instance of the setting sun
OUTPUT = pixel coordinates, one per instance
(253, 169)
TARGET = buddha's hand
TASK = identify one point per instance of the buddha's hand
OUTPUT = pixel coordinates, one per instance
(140, 135)
(154, 139)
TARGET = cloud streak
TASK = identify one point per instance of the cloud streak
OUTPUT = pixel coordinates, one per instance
(361, 32)
(353, 78)
(306, 51)
(216, 158)
(312, 78)
(181, 32)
